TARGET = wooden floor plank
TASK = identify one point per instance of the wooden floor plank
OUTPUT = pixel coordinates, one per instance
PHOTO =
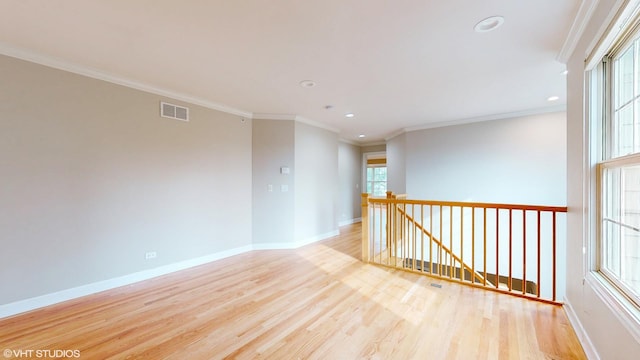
(316, 302)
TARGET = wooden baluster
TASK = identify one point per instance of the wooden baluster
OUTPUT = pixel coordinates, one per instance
(510, 285)
(414, 253)
(524, 251)
(430, 239)
(375, 209)
(441, 244)
(380, 207)
(365, 227)
(484, 240)
(473, 245)
(497, 247)
(389, 228)
(539, 252)
(451, 261)
(422, 238)
(461, 243)
(553, 259)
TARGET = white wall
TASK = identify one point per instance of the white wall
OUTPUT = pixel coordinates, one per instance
(92, 178)
(350, 180)
(316, 179)
(600, 326)
(519, 160)
(273, 209)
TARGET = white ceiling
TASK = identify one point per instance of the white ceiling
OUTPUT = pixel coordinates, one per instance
(395, 64)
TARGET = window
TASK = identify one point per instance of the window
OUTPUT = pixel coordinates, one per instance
(618, 189)
(377, 180)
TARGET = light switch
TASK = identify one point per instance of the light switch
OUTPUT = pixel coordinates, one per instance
(284, 170)
(284, 188)
(270, 188)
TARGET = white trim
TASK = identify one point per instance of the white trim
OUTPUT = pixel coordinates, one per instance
(622, 308)
(365, 157)
(264, 116)
(349, 222)
(68, 66)
(317, 124)
(516, 114)
(291, 117)
(350, 142)
(373, 143)
(362, 143)
(587, 7)
(25, 305)
(581, 333)
(616, 21)
(21, 306)
(395, 133)
(296, 244)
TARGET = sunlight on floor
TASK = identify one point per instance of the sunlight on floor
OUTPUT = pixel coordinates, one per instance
(376, 283)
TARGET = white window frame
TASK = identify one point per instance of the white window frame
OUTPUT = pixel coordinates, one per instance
(596, 89)
(620, 162)
(372, 155)
(373, 182)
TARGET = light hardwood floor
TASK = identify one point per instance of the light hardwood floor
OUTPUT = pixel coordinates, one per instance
(316, 302)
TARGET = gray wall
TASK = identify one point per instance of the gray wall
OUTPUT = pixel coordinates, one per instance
(316, 179)
(92, 178)
(350, 178)
(520, 160)
(273, 211)
(396, 164)
(597, 322)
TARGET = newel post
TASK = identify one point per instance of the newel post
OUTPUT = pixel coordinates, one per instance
(365, 227)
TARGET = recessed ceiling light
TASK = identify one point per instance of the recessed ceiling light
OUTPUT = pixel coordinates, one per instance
(553, 98)
(361, 136)
(488, 24)
(307, 83)
(349, 115)
(565, 72)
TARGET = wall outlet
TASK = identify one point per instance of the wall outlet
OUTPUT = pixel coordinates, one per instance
(150, 255)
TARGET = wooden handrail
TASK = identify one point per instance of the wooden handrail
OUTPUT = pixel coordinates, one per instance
(406, 237)
(444, 247)
(478, 205)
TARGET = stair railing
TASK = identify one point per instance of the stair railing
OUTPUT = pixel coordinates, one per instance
(502, 247)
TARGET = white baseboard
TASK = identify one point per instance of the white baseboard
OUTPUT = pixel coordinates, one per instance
(296, 244)
(21, 306)
(349, 222)
(583, 337)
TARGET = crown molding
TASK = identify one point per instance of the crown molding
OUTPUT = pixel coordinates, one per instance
(296, 118)
(265, 116)
(587, 7)
(511, 115)
(52, 62)
(350, 142)
(373, 143)
(71, 67)
(395, 133)
(304, 120)
(361, 144)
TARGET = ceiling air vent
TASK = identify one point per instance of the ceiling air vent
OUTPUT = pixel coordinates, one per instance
(174, 111)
